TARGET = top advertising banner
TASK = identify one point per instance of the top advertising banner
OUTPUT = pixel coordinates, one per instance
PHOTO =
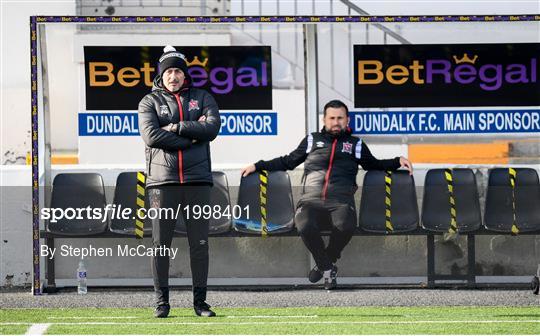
(239, 77)
(446, 75)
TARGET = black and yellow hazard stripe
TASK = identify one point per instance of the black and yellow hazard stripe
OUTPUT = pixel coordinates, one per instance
(388, 201)
(512, 175)
(263, 179)
(453, 214)
(139, 222)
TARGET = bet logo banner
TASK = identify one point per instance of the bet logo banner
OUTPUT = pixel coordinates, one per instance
(239, 78)
(436, 75)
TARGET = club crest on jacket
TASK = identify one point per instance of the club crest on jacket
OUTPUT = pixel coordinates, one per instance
(193, 105)
(347, 147)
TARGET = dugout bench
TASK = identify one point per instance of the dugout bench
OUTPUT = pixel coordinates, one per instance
(388, 206)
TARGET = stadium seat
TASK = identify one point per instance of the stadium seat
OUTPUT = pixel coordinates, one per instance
(499, 211)
(280, 207)
(77, 191)
(403, 208)
(219, 196)
(436, 207)
(125, 196)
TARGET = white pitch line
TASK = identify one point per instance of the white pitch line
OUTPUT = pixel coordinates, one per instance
(90, 317)
(38, 329)
(271, 316)
(280, 322)
(302, 334)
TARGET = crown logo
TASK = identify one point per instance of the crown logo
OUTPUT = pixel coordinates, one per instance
(465, 59)
(196, 61)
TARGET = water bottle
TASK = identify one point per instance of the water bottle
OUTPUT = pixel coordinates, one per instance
(81, 278)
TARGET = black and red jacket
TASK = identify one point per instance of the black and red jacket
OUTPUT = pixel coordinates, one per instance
(330, 164)
(173, 158)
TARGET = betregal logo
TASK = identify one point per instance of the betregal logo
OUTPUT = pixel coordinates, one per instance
(220, 79)
(239, 77)
(464, 70)
(446, 75)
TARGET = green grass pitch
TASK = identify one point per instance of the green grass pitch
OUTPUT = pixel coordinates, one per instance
(309, 320)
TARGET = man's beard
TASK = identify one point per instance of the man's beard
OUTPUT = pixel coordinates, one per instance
(335, 131)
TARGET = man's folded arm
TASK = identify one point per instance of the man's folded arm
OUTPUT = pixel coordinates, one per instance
(155, 137)
(203, 130)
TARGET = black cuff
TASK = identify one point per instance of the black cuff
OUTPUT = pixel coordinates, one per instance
(396, 163)
(259, 165)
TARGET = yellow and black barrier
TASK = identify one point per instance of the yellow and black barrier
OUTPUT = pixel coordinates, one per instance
(512, 175)
(453, 214)
(263, 179)
(139, 222)
(388, 201)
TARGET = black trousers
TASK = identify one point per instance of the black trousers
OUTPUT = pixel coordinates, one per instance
(169, 197)
(312, 217)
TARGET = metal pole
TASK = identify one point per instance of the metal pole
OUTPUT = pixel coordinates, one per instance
(332, 49)
(296, 37)
(431, 275)
(311, 77)
(36, 280)
(277, 29)
(351, 57)
(44, 124)
(471, 260)
(260, 26)
(203, 7)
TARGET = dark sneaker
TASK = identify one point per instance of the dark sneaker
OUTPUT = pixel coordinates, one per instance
(315, 275)
(535, 285)
(330, 278)
(203, 309)
(162, 311)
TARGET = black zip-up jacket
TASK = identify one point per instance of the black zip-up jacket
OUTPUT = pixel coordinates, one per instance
(330, 164)
(173, 158)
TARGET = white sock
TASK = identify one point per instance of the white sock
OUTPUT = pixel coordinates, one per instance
(326, 274)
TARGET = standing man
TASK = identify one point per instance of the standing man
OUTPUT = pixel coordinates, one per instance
(331, 158)
(177, 123)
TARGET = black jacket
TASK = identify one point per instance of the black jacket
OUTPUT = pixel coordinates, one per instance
(331, 164)
(173, 158)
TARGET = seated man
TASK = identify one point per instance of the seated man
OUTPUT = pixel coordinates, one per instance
(331, 158)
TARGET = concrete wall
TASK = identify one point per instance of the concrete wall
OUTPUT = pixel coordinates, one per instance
(254, 260)
(15, 73)
(65, 88)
